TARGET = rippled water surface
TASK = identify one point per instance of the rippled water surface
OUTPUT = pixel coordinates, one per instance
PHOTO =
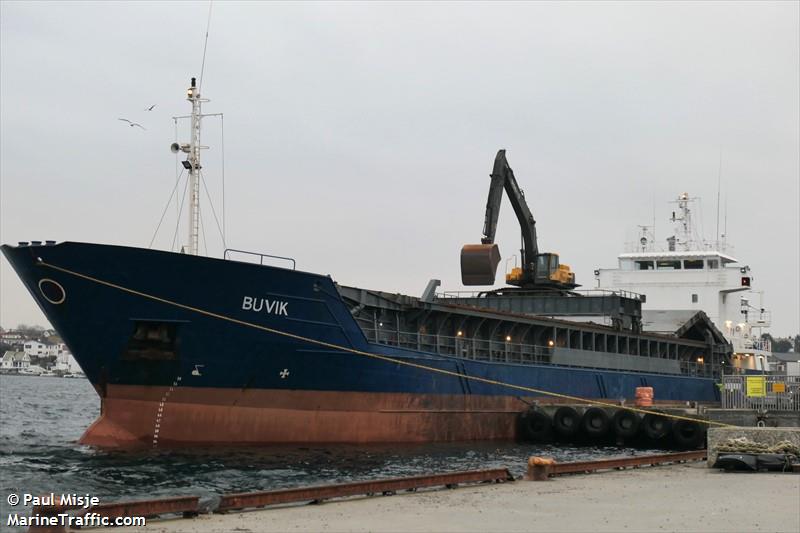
(42, 418)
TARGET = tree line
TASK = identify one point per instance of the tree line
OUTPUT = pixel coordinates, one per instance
(783, 344)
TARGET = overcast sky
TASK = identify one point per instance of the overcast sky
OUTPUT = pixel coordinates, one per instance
(359, 137)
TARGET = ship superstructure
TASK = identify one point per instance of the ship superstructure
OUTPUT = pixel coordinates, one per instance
(689, 275)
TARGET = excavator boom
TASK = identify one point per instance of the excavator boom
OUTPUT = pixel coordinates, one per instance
(479, 261)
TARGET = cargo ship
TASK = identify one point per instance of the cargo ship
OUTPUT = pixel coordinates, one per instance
(186, 350)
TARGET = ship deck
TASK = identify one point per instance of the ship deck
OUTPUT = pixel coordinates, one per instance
(479, 329)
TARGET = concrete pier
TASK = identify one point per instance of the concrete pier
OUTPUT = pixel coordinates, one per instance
(768, 436)
(683, 498)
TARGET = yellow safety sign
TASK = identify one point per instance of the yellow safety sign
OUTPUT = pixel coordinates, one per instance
(779, 387)
(756, 386)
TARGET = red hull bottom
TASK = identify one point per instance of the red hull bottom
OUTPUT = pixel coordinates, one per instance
(138, 416)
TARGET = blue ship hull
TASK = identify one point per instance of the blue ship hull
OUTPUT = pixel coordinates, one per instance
(192, 350)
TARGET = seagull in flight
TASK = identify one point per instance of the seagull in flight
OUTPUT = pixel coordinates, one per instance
(150, 108)
(132, 124)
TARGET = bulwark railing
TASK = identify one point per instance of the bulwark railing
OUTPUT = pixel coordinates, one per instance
(773, 392)
(466, 347)
(579, 292)
(228, 255)
(500, 351)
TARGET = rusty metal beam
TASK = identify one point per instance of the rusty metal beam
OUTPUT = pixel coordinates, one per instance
(643, 460)
(231, 502)
(543, 471)
(188, 505)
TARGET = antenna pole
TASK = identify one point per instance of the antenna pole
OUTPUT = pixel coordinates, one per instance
(654, 218)
(193, 95)
(205, 45)
(719, 186)
(725, 227)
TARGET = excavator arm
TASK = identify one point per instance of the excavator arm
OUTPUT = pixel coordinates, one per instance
(503, 179)
(479, 261)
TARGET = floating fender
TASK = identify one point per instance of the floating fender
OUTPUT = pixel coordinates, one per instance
(595, 422)
(625, 423)
(566, 421)
(655, 426)
(522, 426)
(688, 434)
(731, 462)
(774, 461)
(536, 426)
(753, 461)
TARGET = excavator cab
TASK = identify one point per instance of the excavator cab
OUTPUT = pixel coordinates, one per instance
(549, 269)
(546, 265)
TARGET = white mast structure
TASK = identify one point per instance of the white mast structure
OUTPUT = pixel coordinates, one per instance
(192, 163)
(193, 95)
(685, 231)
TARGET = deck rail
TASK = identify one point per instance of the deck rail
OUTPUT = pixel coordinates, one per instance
(502, 351)
(260, 256)
(449, 295)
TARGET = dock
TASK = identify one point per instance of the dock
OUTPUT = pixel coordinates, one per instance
(683, 497)
(666, 492)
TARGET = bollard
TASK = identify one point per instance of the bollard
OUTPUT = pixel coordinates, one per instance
(539, 468)
(644, 397)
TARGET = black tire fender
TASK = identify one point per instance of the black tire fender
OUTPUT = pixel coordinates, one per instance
(688, 434)
(595, 422)
(656, 426)
(536, 426)
(567, 421)
(625, 423)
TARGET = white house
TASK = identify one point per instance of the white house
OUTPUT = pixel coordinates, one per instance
(15, 361)
(787, 363)
(36, 348)
(67, 363)
(11, 337)
(56, 349)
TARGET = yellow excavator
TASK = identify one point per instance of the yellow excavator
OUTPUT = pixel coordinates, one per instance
(539, 271)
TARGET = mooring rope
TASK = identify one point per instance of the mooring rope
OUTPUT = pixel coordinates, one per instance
(371, 355)
(745, 445)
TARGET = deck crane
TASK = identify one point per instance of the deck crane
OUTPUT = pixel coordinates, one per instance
(539, 271)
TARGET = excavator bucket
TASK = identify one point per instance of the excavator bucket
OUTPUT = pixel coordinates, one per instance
(479, 263)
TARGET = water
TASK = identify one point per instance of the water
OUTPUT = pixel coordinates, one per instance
(42, 418)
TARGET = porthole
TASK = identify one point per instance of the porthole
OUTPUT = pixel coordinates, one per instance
(52, 291)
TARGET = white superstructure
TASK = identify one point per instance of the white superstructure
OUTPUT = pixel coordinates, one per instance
(692, 275)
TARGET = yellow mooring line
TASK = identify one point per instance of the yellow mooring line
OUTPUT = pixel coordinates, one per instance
(372, 355)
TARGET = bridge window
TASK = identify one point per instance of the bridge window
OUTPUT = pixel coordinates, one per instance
(644, 265)
(668, 265)
(693, 264)
(713, 263)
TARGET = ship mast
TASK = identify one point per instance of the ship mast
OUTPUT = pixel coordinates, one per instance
(684, 231)
(192, 164)
(193, 95)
